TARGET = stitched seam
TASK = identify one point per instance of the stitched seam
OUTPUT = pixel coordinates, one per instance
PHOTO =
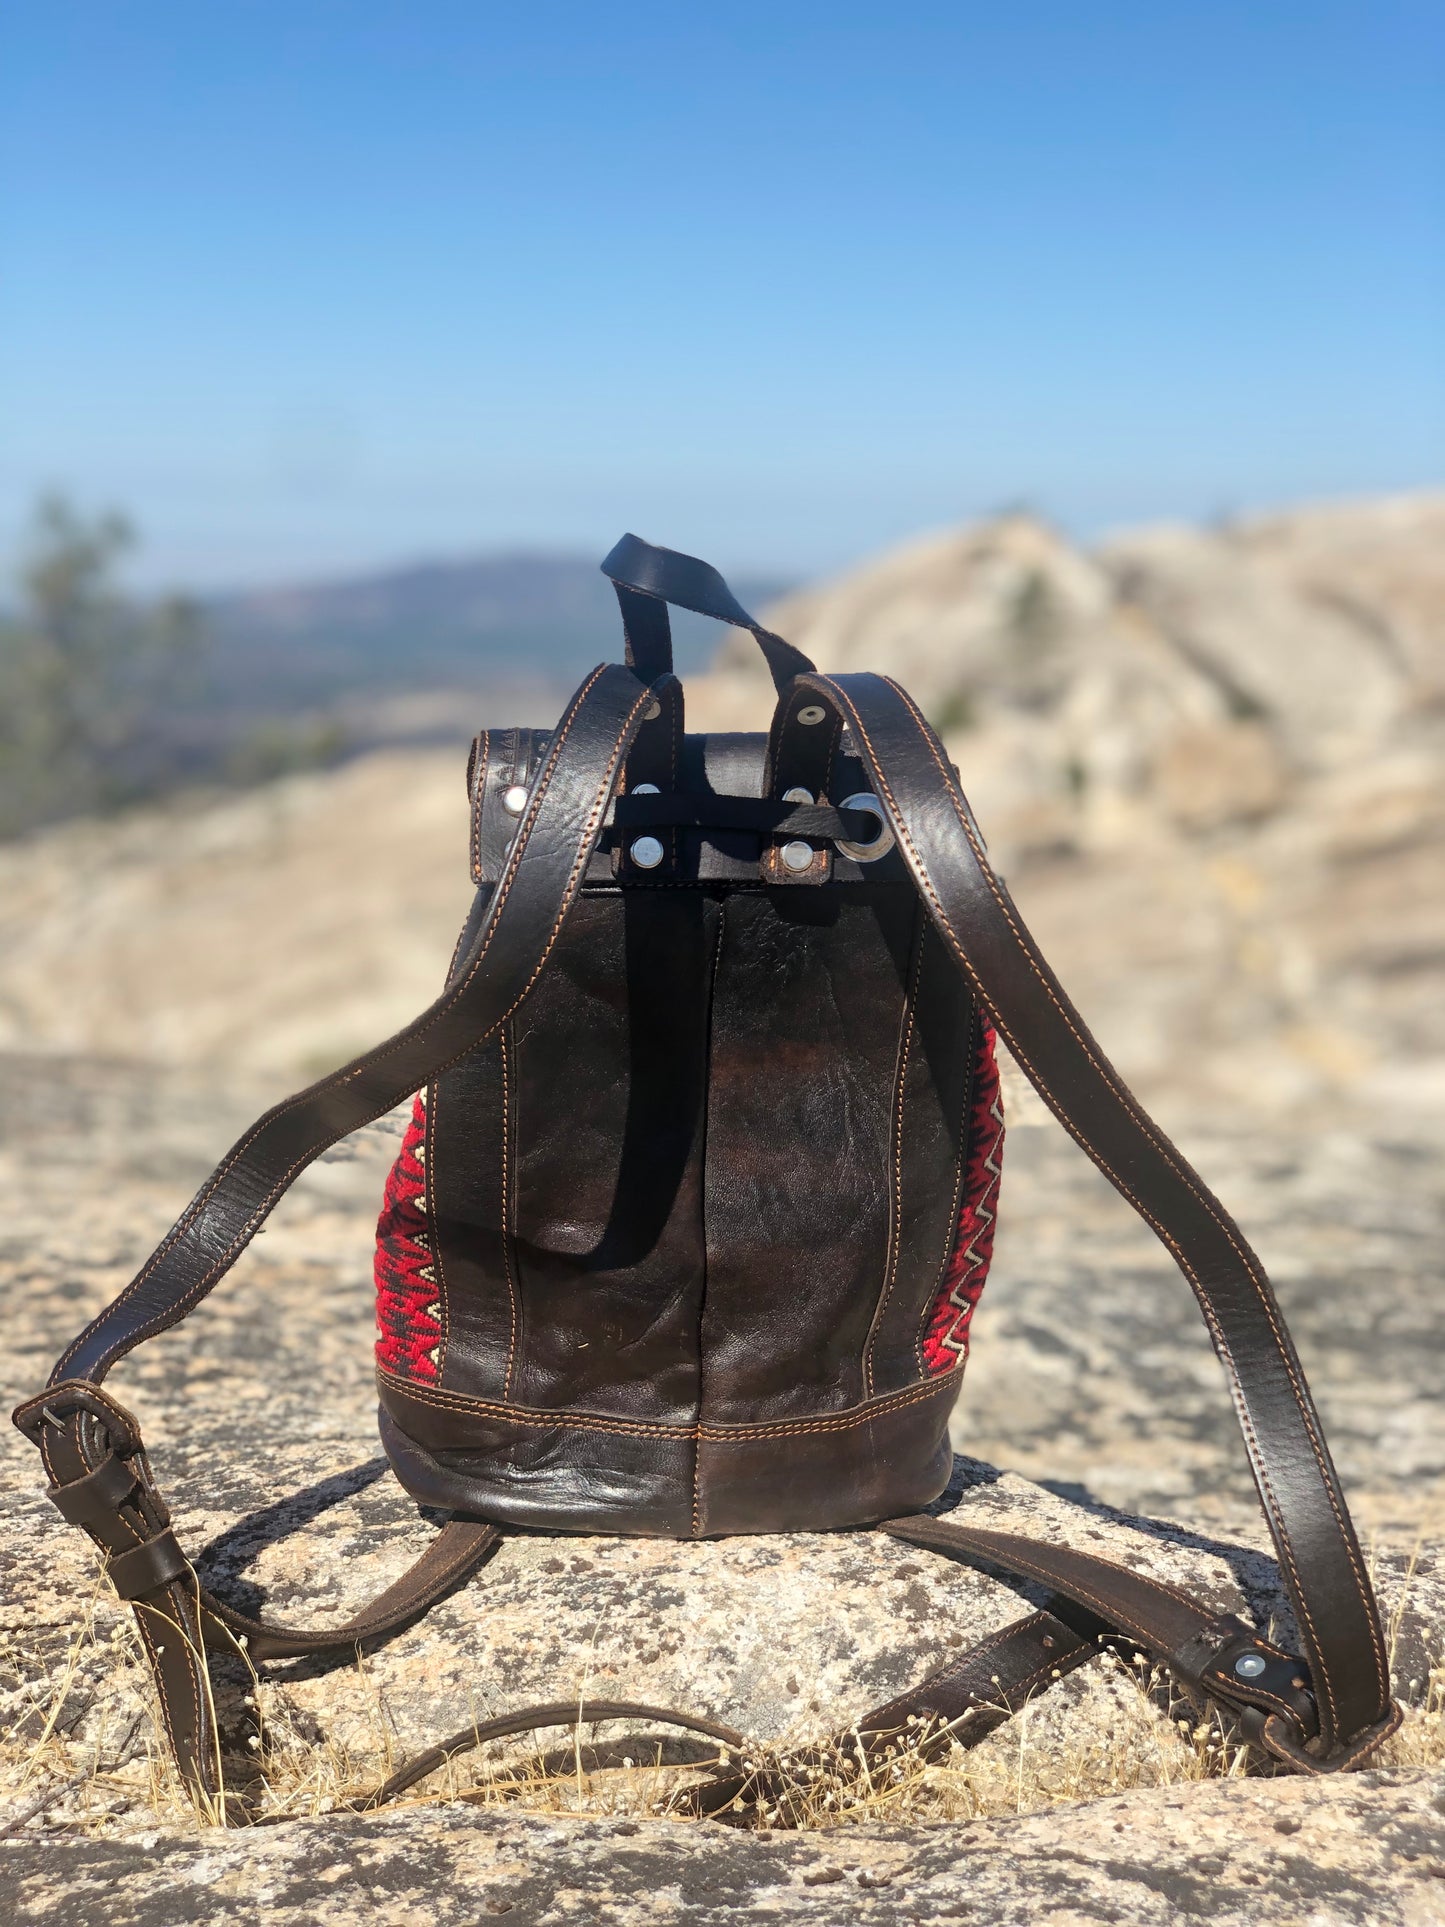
(952, 1231)
(1222, 1682)
(1246, 1258)
(507, 1218)
(1023, 1685)
(479, 793)
(650, 1428)
(162, 1695)
(964, 1663)
(844, 1422)
(1236, 1387)
(722, 915)
(195, 1210)
(222, 1264)
(895, 1189)
(433, 1225)
(1166, 1591)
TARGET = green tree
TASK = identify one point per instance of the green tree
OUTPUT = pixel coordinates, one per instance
(84, 672)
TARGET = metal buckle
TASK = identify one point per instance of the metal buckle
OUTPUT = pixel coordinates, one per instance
(57, 1404)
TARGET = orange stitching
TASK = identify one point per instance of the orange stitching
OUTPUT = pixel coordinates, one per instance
(479, 793)
(566, 1418)
(1210, 1205)
(844, 1422)
(1236, 1389)
(434, 1235)
(895, 1189)
(506, 1219)
(530, 1415)
(722, 917)
(175, 1312)
(239, 1150)
(951, 1232)
(984, 1534)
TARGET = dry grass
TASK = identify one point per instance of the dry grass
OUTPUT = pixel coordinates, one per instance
(82, 1751)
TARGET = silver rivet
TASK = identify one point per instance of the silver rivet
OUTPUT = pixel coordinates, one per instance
(646, 789)
(796, 856)
(514, 800)
(646, 852)
(652, 711)
(797, 796)
(1250, 1665)
(812, 714)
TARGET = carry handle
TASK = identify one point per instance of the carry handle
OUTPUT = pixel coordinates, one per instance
(648, 578)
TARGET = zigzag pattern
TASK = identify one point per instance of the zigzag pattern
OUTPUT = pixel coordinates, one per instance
(408, 1304)
(945, 1339)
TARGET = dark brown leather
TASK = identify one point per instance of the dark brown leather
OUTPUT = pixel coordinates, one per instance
(1320, 1558)
(517, 931)
(549, 1469)
(696, 1131)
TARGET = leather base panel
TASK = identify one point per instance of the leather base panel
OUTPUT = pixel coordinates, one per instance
(558, 1478)
(839, 1469)
(581, 1472)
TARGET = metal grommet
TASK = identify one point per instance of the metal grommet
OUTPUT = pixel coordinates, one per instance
(813, 713)
(796, 856)
(646, 852)
(652, 711)
(514, 799)
(1250, 1665)
(881, 844)
(797, 796)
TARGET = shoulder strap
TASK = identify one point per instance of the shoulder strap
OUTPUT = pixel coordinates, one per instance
(95, 1463)
(1320, 1560)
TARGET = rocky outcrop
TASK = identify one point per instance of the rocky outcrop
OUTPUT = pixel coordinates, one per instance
(1089, 1374)
(1366, 1852)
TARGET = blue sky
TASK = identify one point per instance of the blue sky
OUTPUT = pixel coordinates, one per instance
(312, 286)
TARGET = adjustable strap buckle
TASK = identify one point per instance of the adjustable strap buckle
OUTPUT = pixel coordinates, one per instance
(58, 1404)
(1263, 1686)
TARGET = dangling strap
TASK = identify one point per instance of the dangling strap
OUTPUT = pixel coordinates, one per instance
(1343, 1708)
(96, 1466)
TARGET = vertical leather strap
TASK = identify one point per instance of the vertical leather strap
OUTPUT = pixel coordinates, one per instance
(80, 1430)
(1320, 1559)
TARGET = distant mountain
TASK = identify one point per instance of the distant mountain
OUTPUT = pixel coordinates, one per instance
(523, 619)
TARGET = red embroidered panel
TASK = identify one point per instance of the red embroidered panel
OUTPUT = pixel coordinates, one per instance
(945, 1337)
(408, 1307)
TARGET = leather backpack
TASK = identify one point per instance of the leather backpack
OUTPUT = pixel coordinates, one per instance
(696, 1202)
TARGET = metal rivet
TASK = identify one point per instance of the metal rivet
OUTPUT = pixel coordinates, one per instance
(646, 853)
(645, 789)
(1250, 1665)
(814, 713)
(652, 711)
(796, 856)
(797, 796)
(514, 800)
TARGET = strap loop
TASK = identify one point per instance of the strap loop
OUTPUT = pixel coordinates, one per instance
(147, 1567)
(647, 578)
(92, 1501)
